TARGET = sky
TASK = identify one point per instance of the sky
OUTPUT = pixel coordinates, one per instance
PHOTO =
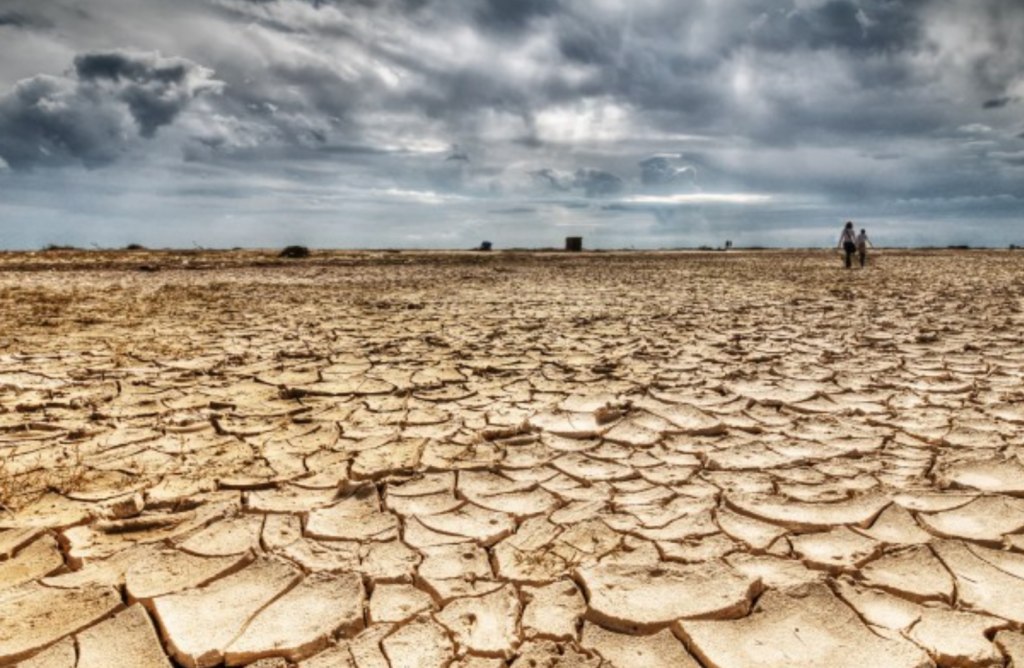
(444, 123)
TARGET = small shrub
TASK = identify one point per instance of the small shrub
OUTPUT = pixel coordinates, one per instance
(295, 252)
(135, 247)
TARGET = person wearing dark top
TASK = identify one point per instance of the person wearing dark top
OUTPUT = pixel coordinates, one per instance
(848, 242)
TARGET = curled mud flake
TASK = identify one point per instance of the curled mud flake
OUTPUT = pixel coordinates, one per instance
(804, 626)
(422, 643)
(836, 550)
(897, 526)
(1011, 643)
(127, 639)
(878, 608)
(198, 625)
(36, 616)
(638, 599)
(757, 535)
(553, 611)
(290, 499)
(13, 540)
(774, 571)
(989, 475)
(980, 585)
(303, 620)
(39, 558)
(914, 573)
(336, 656)
(365, 649)
(485, 625)
(985, 520)
(237, 535)
(801, 516)
(537, 653)
(402, 456)
(659, 650)
(166, 571)
(58, 655)
(397, 603)
(956, 638)
(486, 527)
(356, 517)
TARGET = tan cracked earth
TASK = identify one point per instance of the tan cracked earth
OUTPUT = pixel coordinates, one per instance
(420, 460)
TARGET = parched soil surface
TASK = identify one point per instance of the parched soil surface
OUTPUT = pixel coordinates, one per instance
(418, 460)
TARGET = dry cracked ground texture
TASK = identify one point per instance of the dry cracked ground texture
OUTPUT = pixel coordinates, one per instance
(409, 460)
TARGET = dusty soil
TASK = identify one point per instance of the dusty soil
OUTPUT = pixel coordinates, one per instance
(391, 460)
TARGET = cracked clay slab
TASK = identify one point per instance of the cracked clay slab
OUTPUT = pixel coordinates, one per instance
(647, 598)
(807, 626)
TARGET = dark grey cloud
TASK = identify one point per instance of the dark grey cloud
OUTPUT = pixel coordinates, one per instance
(47, 120)
(861, 26)
(589, 42)
(997, 102)
(13, 19)
(598, 183)
(665, 170)
(504, 16)
(1010, 158)
(92, 114)
(156, 89)
(457, 154)
(593, 183)
(553, 179)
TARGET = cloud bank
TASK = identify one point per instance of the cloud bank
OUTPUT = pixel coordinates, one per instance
(642, 123)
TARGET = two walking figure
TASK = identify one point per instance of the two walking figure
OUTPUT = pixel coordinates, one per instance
(851, 243)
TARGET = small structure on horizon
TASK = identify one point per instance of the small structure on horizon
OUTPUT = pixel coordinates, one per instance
(574, 244)
(485, 245)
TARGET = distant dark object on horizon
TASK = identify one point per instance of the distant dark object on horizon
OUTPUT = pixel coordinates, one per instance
(60, 247)
(574, 244)
(135, 247)
(959, 247)
(295, 252)
(485, 245)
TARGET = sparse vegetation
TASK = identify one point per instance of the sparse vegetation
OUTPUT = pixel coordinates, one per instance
(295, 252)
(19, 488)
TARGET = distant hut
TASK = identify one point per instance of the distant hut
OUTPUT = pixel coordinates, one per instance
(574, 244)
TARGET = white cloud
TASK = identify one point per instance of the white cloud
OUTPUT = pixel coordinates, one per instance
(746, 199)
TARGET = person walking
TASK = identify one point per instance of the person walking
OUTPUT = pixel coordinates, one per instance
(862, 243)
(848, 242)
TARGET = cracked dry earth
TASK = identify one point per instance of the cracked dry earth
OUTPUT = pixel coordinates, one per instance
(403, 460)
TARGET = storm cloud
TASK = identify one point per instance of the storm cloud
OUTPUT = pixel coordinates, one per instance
(632, 122)
(92, 114)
